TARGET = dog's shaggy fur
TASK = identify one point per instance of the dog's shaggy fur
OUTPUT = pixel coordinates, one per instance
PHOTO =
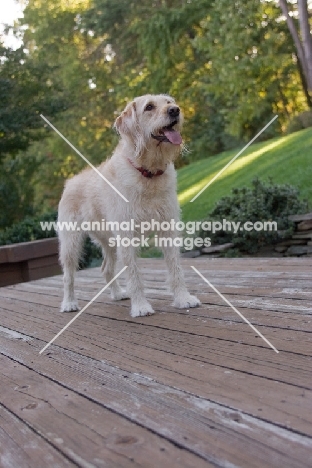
(143, 127)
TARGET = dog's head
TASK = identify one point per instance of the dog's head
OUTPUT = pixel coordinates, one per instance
(152, 122)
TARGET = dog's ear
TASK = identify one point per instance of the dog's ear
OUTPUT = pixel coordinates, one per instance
(127, 121)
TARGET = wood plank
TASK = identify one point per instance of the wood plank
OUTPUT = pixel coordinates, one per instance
(190, 372)
(213, 308)
(210, 314)
(80, 429)
(213, 431)
(12, 273)
(48, 260)
(207, 322)
(43, 271)
(289, 297)
(225, 354)
(28, 250)
(247, 279)
(199, 380)
(284, 339)
(22, 447)
(286, 291)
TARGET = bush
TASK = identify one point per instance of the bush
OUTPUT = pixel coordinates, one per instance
(90, 253)
(300, 122)
(262, 203)
(30, 229)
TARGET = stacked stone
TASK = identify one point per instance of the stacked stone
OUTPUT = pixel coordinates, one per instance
(301, 241)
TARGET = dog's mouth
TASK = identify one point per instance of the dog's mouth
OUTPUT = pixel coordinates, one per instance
(168, 134)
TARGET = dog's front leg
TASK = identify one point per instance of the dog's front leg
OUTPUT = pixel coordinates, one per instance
(182, 298)
(139, 304)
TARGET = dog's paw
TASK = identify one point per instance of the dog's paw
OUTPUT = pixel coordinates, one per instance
(186, 300)
(69, 306)
(119, 295)
(140, 310)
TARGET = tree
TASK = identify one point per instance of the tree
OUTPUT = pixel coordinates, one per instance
(16, 188)
(26, 90)
(250, 65)
(231, 65)
(55, 36)
(302, 37)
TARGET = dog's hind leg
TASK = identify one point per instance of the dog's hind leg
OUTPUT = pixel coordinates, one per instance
(109, 269)
(139, 304)
(70, 250)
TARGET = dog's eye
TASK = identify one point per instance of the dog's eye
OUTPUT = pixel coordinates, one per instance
(149, 107)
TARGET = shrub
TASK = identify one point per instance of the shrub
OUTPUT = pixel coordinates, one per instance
(262, 202)
(30, 229)
(90, 253)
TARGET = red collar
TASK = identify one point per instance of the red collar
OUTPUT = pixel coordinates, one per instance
(146, 172)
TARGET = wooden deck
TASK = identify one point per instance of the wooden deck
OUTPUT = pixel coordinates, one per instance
(181, 388)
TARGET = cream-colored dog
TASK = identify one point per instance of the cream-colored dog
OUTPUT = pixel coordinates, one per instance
(142, 169)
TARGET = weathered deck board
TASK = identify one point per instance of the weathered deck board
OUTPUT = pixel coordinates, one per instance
(80, 428)
(180, 388)
(22, 447)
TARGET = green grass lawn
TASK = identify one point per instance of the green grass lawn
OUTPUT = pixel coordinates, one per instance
(287, 160)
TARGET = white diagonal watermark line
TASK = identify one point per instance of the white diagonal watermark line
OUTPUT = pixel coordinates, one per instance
(235, 310)
(232, 160)
(84, 158)
(82, 310)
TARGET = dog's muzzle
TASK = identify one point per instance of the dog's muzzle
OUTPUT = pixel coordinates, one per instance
(168, 134)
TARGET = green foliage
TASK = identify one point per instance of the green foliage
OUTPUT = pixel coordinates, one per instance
(28, 230)
(251, 65)
(16, 189)
(91, 254)
(230, 66)
(299, 122)
(260, 203)
(25, 91)
(27, 88)
(151, 252)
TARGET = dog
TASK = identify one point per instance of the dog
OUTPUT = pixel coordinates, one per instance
(142, 170)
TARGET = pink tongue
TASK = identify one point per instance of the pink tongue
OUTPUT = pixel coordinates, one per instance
(173, 136)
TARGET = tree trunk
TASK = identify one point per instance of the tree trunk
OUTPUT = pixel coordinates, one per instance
(306, 38)
(304, 83)
(305, 48)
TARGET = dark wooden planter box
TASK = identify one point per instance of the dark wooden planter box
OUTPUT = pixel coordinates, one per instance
(28, 261)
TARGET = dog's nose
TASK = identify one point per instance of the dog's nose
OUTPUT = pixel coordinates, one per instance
(173, 111)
